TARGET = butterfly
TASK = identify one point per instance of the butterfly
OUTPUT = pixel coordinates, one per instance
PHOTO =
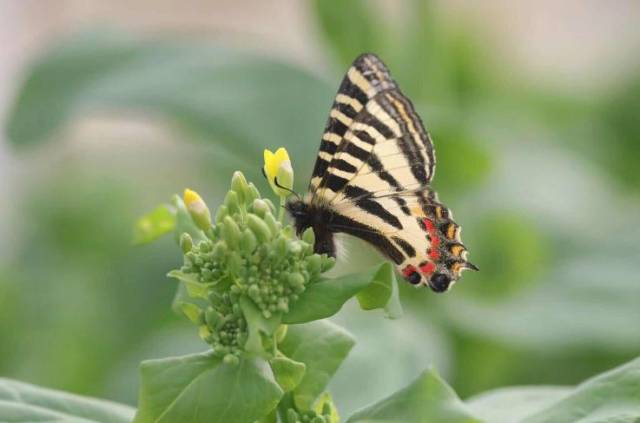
(372, 180)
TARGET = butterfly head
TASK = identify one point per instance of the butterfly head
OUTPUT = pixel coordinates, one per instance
(299, 212)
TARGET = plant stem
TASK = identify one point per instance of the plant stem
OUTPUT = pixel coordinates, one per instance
(283, 201)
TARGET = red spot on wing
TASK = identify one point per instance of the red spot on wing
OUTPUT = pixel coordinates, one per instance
(429, 225)
(433, 253)
(408, 271)
(428, 268)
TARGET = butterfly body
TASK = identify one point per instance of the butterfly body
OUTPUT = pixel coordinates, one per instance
(372, 180)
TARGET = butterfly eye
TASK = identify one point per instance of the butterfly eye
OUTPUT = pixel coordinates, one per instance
(439, 282)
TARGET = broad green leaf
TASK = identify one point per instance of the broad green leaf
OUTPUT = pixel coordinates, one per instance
(22, 402)
(199, 388)
(257, 325)
(288, 372)
(321, 346)
(153, 225)
(327, 296)
(211, 93)
(427, 400)
(610, 397)
(382, 292)
(513, 404)
(349, 27)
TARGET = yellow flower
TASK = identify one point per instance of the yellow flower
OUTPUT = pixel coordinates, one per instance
(277, 167)
(198, 209)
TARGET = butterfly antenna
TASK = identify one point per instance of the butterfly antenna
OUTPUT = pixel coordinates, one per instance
(275, 182)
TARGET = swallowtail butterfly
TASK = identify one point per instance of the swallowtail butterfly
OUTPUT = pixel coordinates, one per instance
(371, 180)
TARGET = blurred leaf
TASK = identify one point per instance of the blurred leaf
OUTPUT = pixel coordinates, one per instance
(588, 302)
(463, 165)
(288, 372)
(325, 297)
(619, 151)
(514, 254)
(427, 400)
(211, 92)
(154, 224)
(513, 404)
(321, 346)
(198, 388)
(611, 396)
(21, 402)
(350, 28)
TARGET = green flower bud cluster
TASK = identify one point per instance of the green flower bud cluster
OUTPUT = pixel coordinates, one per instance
(247, 253)
(309, 416)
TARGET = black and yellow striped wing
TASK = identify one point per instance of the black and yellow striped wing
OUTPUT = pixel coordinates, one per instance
(373, 140)
(372, 174)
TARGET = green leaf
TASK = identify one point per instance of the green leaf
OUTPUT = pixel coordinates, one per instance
(382, 292)
(153, 225)
(349, 27)
(611, 396)
(513, 404)
(427, 400)
(208, 91)
(195, 288)
(327, 296)
(199, 389)
(22, 402)
(257, 324)
(321, 346)
(288, 372)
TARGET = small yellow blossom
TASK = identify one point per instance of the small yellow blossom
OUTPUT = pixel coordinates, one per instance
(277, 166)
(197, 209)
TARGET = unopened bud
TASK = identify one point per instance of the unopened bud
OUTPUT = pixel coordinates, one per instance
(197, 209)
(186, 242)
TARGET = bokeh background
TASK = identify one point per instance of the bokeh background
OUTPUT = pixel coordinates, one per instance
(110, 107)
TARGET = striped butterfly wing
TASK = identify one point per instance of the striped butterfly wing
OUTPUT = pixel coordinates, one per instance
(373, 138)
(422, 239)
(375, 163)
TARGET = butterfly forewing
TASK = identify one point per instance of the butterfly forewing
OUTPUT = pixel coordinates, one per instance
(371, 122)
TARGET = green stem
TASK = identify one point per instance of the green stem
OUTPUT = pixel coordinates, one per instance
(283, 201)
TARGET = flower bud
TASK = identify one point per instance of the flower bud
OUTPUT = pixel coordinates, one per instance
(197, 209)
(239, 185)
(186, 242)
(221, 213)
(260, 207)
(274, 225)
(309, 236)
(230, 232)
(292, 416)
(232, 201)
(248, 242)
(251, 193)
(231, 360)
(314, 263)
(277, 168)
(259, 227)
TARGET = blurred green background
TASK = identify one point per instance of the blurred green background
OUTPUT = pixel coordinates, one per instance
(110, 107)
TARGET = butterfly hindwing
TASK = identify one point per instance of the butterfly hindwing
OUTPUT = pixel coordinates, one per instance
(423, 241)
